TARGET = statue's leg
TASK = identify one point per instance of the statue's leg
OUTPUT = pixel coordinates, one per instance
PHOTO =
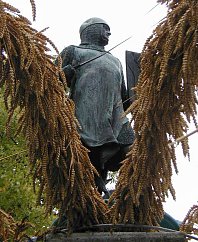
(107, 152)
(114, 163)
(94, 156)
(99, 157)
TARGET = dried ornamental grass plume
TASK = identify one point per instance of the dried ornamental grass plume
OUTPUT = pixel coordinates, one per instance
(57, 157)
(11, 230)
(190, 222)
(33, 9)
(7, 226)
(166, 98)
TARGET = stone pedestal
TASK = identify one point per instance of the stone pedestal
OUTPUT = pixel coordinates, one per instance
(118, 237)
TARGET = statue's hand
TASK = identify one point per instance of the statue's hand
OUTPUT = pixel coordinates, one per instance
(69, 71)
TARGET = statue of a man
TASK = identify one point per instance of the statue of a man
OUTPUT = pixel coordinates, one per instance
(99, 93)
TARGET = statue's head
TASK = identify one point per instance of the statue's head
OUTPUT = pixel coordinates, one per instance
(95, 31)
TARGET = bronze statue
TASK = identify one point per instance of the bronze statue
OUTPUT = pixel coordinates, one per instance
(99, 93)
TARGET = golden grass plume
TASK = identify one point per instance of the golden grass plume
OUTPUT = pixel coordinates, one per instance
(35, 86)
(166, 101)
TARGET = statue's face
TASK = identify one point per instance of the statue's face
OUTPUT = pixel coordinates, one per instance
(105, 33)
(97, 34)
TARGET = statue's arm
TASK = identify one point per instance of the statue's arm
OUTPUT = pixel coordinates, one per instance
(67, 56)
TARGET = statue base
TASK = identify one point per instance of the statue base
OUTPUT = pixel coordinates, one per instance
(117, 237)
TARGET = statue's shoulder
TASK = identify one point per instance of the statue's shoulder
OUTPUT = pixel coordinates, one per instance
(67, 53)
(69, 49)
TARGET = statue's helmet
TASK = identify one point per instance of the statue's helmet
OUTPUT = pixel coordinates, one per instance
(90, 22)
(95, 31)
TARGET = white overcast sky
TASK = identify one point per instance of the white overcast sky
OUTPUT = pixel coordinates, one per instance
(126, 18)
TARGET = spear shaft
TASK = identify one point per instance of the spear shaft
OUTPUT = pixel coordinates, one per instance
(96, 57)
